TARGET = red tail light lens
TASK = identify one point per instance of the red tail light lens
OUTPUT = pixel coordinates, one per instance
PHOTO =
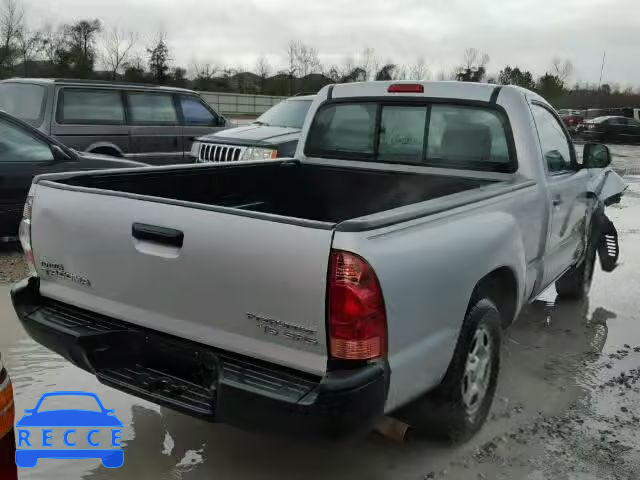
(24, 233)
(357, 318)
(406, 88)
(7, 409)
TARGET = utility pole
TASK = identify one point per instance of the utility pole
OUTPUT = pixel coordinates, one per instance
(604, 55)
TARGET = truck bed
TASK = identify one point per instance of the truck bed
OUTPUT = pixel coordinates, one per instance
(292, 189)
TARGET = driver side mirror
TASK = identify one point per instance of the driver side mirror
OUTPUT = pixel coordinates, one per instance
(596, 155)
(59, 155)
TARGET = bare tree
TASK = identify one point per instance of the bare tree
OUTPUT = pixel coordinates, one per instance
(307, 59)
(400, 73)
(418, 70)
(262, 70)
(205, 70)
(474, 58)
(474, 66)
(302, 59)
(117, 45)
(52, 40)
(561, 68)
(11, 22)
(30, 45)
(369, 62)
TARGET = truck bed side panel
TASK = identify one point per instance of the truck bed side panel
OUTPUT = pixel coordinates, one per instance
(428, 269)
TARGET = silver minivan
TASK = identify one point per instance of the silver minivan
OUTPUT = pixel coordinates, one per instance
(150, 124)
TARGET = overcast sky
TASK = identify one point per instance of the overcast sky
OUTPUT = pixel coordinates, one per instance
(527, 33)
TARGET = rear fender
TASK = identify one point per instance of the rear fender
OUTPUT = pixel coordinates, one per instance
(428, 272)
(607, 186)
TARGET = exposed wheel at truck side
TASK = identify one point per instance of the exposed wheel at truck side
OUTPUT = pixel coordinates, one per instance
(458, 407)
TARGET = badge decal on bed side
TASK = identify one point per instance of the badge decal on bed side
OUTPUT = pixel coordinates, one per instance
(57, 270)
(290, 331)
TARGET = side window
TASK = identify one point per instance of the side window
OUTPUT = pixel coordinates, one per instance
(556, 149)
(195, 113)
(344, 129)
(18, 145)
(151, 109)
(82, 106)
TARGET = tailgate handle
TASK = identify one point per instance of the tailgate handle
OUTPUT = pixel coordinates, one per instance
(153, 233)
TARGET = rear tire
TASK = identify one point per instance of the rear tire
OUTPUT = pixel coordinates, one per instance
(576, 282)
(459, 406)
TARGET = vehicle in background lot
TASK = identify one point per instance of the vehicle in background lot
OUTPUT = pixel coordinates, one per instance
(611, 129)
(572, 121)
(274, 134)
(372, 274)
(26, 152)
(7, 418)
(151, 124)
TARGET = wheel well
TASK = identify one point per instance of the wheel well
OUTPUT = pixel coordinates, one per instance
(501, 286)
(106, 151)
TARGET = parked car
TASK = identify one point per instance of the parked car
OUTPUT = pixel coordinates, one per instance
(7, 418)
(151, 124)
(608, 129)
(274, 134)
(372, 274)
(572, 120)
(26, 152)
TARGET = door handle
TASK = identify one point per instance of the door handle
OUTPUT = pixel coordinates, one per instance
(556, 201)
(156, 234)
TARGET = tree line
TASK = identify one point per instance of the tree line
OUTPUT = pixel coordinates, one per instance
(87, 48)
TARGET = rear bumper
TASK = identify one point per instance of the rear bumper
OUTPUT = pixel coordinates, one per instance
(202, 381)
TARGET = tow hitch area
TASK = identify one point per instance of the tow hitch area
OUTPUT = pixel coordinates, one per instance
(608, 248)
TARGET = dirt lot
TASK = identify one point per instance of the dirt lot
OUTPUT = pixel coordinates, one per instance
(567, 406)
(12, 266)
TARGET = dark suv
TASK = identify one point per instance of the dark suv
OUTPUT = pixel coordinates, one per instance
(274, 134)
(151, 124)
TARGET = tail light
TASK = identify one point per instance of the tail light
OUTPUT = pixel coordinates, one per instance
(357, 320)
(7, 408)
(24, 233)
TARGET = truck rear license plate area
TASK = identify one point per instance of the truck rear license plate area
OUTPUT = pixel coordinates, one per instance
(161, 387)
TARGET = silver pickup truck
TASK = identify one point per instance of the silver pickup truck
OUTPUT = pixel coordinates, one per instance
(371, 274)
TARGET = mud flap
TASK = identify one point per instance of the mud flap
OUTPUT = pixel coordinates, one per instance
(608, 248)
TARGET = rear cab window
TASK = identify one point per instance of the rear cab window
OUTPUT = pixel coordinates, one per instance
(439, 135)
(83, 106)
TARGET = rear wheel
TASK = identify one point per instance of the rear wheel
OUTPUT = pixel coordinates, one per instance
(458, 407)
(576, 282)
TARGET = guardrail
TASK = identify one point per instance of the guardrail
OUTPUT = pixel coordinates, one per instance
(238, 104)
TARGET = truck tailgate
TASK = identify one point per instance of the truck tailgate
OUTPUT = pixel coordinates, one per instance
(238, 283)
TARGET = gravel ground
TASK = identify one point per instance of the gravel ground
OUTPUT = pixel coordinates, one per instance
(12, 265)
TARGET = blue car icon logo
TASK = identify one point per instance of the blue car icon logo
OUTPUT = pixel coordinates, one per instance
(69, 433)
